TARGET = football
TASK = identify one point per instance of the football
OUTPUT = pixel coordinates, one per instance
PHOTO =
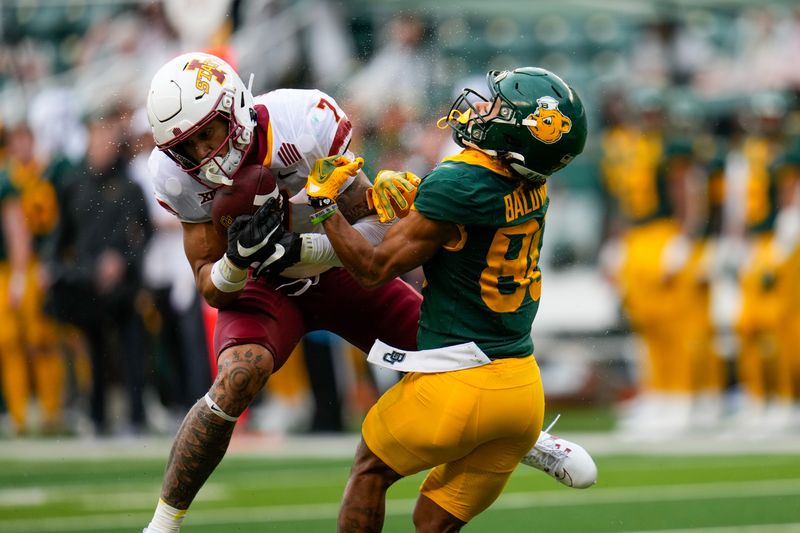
(252, 186)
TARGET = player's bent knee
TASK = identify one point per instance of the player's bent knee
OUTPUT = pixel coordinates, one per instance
(366, 463)
(243, 371)
(430, 517)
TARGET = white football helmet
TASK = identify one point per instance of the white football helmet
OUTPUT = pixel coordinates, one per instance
(187, 93)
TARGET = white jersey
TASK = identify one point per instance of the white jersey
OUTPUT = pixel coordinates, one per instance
(301, 127)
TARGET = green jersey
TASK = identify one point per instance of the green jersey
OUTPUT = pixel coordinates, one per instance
(37, 196)
(485, 289)
(7, 191)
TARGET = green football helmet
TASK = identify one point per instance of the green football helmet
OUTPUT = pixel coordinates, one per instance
(536, 123)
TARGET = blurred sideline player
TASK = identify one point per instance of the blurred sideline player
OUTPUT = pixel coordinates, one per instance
(207, 124)
(472, 403)
(787, 233)
(29, 353)
(648, 177)
(785, 415)
(708, 370)
(759, 181)
(698, 158)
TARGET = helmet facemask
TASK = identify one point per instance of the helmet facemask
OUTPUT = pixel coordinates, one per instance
(472, 128)
(536, 124)
(214, 167)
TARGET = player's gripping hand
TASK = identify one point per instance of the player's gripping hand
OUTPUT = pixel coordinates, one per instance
(392, 194)
(250, 237)
(286, 247)
(327, 178)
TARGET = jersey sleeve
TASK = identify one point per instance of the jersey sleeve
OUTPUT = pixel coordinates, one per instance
(447, 196)
(170, 186)
(329, 125)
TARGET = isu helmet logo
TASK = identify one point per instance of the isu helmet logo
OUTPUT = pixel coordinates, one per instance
(549, 124)
(206, 71)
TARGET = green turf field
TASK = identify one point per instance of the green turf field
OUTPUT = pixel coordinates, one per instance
(751, 493)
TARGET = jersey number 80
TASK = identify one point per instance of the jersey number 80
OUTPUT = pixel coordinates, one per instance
(510, 270)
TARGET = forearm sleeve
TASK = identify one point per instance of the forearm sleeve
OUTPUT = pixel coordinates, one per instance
(317, 247)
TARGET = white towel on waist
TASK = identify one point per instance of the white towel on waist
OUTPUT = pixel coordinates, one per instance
(447, 359)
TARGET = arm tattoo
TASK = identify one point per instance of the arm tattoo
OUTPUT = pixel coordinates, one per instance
(203, 438)
(353, 201)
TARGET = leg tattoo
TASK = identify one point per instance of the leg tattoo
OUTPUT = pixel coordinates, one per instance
(203, 438)
(199, 446)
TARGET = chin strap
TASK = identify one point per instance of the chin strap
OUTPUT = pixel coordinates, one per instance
(528, 174)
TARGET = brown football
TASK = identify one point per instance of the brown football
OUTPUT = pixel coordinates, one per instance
(252, 186)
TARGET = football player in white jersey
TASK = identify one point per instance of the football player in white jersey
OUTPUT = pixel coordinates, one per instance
(207, 125)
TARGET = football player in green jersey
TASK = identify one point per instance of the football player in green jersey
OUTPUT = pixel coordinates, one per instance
(471, 405)
(764, 361)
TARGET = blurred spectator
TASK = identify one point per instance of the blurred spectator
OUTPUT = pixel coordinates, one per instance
(199, 23)
(180, 340)
(55, 117)
(387, 97)
(118, 53)
(397, 77)
(309, 43)
(95, 259)
(29, 352)
(653, 58)
(671, 50)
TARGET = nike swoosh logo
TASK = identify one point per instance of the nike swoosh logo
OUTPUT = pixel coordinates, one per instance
(261, 199)
(283, 176)
(279, 252)
(247, 251)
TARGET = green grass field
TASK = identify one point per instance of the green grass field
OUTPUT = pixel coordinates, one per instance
(751, 492)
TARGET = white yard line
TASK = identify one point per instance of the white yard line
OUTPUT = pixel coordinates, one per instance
(518, 500)
(343, 446)
(760, 528)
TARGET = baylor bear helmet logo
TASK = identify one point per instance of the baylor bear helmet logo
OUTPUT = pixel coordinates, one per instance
(549, 124)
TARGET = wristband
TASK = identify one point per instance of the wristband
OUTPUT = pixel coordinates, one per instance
(318, 202)
(307, 249)
(323, 214)
(226, 276)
